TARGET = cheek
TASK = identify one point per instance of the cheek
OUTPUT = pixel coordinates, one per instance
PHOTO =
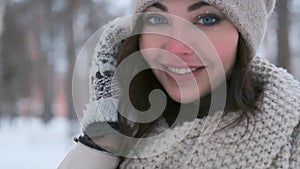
(143, 42)
(150, 41)
(226, 47)
(150, 47)
(146, 45)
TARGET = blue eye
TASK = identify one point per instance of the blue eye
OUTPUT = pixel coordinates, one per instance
(155, 20)
(208, 20)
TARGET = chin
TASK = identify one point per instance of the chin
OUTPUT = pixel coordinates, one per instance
(184, 98)
(187, 94)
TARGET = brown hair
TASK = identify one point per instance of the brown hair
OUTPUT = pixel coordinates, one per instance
(242, 92)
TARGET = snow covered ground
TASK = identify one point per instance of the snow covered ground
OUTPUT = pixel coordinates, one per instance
(26, 143)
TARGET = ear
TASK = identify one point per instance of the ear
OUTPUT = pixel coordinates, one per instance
(270, 5)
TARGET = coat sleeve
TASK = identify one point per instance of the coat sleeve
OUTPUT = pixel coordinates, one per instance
(82, 156)
(295, 149)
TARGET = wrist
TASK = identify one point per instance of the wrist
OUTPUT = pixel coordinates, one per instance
(86, 140)
(109, 142)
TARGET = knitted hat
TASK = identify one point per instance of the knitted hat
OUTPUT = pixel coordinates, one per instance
(249, 17)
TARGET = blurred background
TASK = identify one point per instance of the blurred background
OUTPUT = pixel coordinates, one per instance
(40, 41)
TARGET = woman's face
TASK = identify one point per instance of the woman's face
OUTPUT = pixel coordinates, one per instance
(190, 46)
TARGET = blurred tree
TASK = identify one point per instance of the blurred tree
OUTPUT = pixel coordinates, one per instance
(16, 65)
(70, 11)
(283, 34)
(2, 12)
(38, 49)
(295, 36)
(42, 76)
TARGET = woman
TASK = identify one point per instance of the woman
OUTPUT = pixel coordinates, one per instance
(202, 55)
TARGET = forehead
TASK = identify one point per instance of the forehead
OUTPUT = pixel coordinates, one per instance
(142, 5)
(183, 1)
(179, 5)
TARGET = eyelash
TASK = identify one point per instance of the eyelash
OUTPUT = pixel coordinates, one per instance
(150, 17)
(216, 19)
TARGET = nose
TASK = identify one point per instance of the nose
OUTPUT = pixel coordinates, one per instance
(178, 48)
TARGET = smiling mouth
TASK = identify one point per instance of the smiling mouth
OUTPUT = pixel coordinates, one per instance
(183, 71)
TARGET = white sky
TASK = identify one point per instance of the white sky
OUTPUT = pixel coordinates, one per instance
(120, 5)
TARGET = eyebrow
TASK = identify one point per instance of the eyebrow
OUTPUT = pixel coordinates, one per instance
(160, 6)
(197, 5)
(191, 8)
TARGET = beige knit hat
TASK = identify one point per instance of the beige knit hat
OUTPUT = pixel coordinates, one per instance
(249, 16)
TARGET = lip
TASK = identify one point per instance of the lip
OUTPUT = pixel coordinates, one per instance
(181, 79)
(182, 66)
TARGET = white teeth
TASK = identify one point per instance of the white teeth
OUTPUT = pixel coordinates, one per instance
(181, 70)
